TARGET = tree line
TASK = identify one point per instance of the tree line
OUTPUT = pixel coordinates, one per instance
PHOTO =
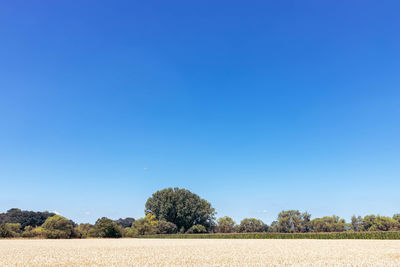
(176, 210)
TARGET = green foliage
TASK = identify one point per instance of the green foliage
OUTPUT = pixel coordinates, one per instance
(328, 224)
(251, 225)
(9, 230)
(127, 222)
(181, 207)
(396, 217)
(380, 223)
(83, 229)
(34, 232)
(164, 227)
(25, 218)
(59, 227)
(196, 229)
(129, 232)
(292, 221)
(356, 223)
(105, 227)
(194, 216)
(226, 225)
(145, 226)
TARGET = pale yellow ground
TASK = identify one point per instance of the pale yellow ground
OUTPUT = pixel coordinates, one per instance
(199, 252)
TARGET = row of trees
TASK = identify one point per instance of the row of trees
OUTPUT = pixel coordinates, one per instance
(293, 221)
(175, 210)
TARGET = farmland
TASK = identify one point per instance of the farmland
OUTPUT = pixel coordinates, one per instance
(199, 252)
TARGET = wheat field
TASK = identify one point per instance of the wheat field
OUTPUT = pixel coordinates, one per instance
(199, 252)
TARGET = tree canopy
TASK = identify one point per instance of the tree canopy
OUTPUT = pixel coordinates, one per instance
(176, 210)
(182, 208)
(328, 224)
(105, 227)
(24, 217)
(251, 225)
(127, 222)
(226, 225)
(59, 227)
(145, 226)
(292, 221)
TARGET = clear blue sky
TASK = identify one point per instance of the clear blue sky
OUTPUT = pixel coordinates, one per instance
(257, 106)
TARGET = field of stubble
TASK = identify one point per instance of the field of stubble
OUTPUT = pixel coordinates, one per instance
(198, 252)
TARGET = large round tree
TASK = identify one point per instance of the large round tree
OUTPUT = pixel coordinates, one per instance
(181, 207)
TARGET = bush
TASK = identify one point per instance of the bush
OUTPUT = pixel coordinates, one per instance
(83, 229)
(32, 232)
(145, 226)
(59, 227)
(9, 230)
(164, 227)
(196, 229)
(105, 227)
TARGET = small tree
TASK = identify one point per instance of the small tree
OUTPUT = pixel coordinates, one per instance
(250, 225)
(105, 227)
(226, 225)
(196, 229)
(146, 225)
(356, 223)
(274, 227)
(293, 221)
(83, 230)
(59, 227)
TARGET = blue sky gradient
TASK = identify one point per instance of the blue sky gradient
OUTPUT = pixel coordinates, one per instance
(256, 106)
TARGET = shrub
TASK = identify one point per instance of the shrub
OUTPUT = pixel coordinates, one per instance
(105, 227)
(8, 230)
(59, 227)
(31, 232)
(145, 226)
(196, 229)
(83, 229)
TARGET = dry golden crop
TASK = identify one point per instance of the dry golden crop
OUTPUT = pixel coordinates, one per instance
(199, 252)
